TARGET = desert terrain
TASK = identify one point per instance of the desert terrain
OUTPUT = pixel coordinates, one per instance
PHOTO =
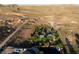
(63, 18)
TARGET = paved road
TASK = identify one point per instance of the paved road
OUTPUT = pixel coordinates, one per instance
(8, 38)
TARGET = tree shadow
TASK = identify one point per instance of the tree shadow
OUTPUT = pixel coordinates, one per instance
(71, 49)
(77, 40)
(49, 50)
(77, 35)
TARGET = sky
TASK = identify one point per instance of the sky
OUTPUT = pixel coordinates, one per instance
(39, 2)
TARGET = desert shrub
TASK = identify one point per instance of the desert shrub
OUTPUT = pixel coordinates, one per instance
(48, 34)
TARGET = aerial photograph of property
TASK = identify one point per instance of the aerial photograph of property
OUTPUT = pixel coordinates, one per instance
(39, 29)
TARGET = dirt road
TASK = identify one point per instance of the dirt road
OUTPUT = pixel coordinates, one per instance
(8, 38)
